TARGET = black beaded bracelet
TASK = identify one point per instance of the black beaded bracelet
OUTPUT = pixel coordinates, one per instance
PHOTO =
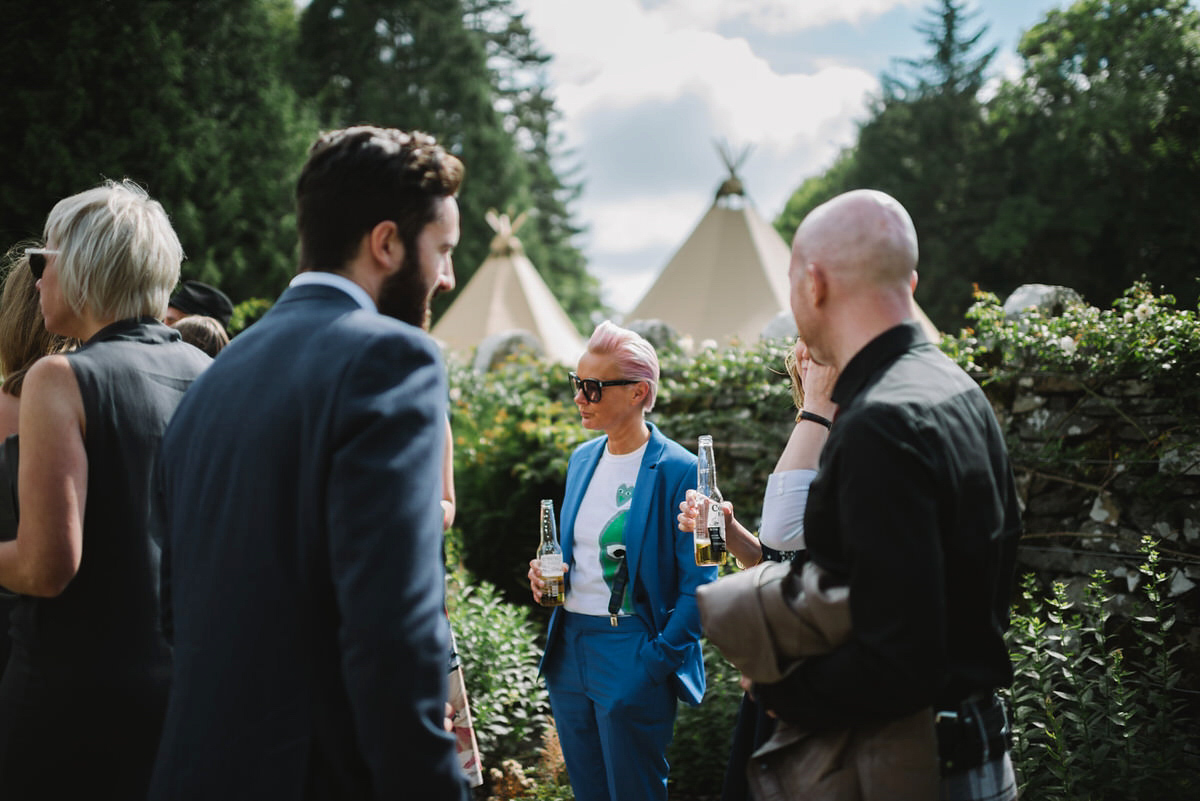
(816, 418)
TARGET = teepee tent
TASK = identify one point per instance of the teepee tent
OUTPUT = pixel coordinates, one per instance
(506, 294)
(729, 278)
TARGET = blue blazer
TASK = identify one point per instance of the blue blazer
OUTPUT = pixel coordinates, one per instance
(303, 580)
(663, 575)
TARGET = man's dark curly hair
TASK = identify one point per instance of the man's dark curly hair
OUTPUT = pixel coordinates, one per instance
(356, 178)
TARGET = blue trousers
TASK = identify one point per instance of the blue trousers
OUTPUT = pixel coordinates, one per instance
(614, 721)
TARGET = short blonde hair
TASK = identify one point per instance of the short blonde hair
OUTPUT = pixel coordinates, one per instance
(119, 254)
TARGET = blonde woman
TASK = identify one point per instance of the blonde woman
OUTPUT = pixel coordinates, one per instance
(84, 692)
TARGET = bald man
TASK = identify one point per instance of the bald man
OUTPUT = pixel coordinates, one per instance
(914, 507)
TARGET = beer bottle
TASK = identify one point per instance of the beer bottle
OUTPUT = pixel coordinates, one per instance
(709, 534)
(550, 560)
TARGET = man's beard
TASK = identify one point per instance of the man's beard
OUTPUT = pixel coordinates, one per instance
(405, 296)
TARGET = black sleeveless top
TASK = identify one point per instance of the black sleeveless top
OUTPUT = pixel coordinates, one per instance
(102, 633)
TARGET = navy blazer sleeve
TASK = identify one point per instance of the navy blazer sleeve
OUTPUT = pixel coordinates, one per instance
(385, 537)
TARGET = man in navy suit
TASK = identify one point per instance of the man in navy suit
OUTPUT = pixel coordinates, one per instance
(302, 568)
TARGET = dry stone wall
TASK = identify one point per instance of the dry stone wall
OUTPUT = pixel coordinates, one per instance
(1103, 462)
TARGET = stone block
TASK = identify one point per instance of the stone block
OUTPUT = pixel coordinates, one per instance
(1049, 300)
(495, 349)
(1180, 459)
(1027, 403)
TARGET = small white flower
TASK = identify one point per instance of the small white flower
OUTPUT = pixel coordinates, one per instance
(1067, 344)
(1143, 312)
(1128, 318)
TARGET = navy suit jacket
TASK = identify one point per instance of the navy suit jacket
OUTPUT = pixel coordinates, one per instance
(303, 581)
(663, 575)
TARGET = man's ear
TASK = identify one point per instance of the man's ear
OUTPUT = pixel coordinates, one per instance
(385, 246)
(818, 284)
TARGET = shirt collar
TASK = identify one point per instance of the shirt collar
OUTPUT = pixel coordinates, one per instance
(874, 356)
(324, 278)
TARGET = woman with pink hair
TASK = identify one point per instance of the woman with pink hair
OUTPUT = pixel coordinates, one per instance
(625, 645)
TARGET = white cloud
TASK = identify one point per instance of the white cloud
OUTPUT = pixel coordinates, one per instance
(778, 16)
(639, 223)
(613, 54)
(675, 84)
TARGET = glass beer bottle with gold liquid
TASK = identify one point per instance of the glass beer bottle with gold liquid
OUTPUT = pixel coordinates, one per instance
(550, 560)
(709, 534)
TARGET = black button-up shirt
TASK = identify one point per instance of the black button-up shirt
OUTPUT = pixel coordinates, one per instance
(915, 508)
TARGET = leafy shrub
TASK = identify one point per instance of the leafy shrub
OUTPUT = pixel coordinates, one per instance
(514, 430)
(247, 313)
(498, 647)
(1142, 335)
(1097, 712)
(703, 734)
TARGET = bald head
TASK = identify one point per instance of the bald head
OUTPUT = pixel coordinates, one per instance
(852, 273)
(860, 237)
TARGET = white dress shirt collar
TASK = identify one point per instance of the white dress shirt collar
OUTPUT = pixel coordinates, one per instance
(336, 281)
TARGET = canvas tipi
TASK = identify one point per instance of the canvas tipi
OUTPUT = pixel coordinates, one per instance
(506, 295)
(729, 278)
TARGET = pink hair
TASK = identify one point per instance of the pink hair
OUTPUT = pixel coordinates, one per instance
(635, 357)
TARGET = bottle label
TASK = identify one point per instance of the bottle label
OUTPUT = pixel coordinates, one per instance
(716, 536)
(551, 564)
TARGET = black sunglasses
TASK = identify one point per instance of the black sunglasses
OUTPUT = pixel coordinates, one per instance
(593, 388)
(37, 260)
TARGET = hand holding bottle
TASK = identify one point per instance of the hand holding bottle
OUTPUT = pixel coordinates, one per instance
(537, 584)
(739, 541)
(550, 568)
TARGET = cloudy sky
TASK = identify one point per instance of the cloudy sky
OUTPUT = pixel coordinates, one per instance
(647, 86)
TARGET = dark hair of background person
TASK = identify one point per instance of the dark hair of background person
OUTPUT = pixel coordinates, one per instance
(23, 335)
(358, 177)
(203, 332)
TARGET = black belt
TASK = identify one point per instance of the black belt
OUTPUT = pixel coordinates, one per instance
(972, 734)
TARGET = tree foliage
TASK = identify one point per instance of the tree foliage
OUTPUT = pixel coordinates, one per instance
(211, 104)
(1084, 171)
(1101, 136)
(187, 98)
(466, 71)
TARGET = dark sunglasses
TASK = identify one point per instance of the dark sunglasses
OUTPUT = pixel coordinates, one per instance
(593, 388)
(37, 260)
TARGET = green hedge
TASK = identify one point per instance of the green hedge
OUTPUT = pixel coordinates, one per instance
(516, 427)
(1097, 712)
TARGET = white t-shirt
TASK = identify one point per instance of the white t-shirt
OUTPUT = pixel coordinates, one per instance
(598, 542)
